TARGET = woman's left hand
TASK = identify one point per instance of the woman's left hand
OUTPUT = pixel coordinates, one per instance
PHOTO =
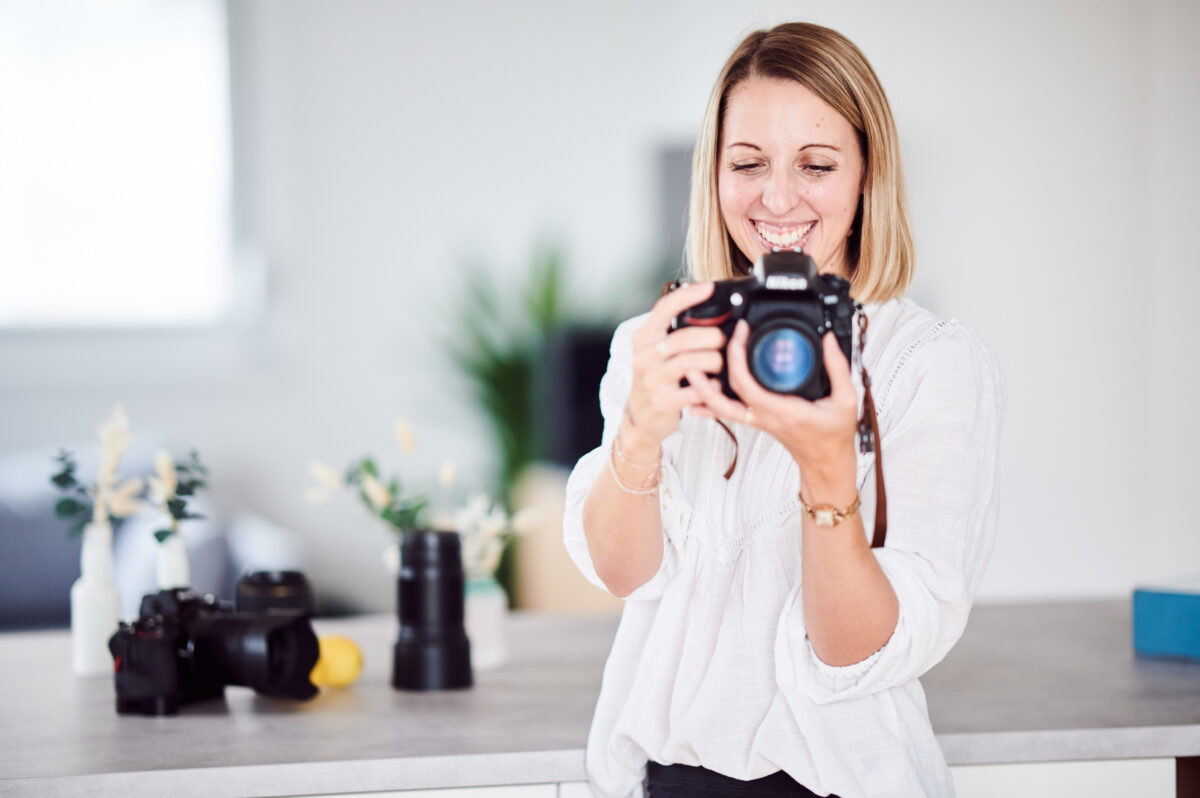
(818, 434)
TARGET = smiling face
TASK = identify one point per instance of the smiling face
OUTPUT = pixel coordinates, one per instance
(789, 172)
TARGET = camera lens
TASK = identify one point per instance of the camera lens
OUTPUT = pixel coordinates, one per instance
(782, 359)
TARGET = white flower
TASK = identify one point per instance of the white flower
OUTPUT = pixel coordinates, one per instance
(123, 501)
(404, 436)
(377, 494)
(468, 517)
(326, 476)
(484, 528)
(525, 520)
(391, 559)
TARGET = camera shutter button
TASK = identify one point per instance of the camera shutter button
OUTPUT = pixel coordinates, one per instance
(736, 299)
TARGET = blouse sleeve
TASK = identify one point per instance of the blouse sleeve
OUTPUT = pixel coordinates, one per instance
(940, 426)
(614, 392)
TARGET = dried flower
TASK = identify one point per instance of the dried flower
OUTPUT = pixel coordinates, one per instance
(114, 439)
(103, 500)
(325, 475)
(384, 499)
(170, 487)
(165, 480)
(377, 493)
(447, 475)
(404, 436)
(123, 501)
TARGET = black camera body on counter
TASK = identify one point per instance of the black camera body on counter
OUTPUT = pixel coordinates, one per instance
(789, 307)
(185, 647)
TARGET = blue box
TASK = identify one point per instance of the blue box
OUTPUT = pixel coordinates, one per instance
(1166, 620)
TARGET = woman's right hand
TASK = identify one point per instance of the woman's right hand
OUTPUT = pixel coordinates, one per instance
(662, 358)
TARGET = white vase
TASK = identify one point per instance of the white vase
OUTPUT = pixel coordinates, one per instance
(95, 604)
(486, 614)
(171, 564)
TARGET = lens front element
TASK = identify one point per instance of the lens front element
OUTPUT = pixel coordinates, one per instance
(782, 358)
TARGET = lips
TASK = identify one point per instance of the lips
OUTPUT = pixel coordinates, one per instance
(789, 235)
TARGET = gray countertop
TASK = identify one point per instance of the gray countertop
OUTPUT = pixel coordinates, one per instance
(1027, 683)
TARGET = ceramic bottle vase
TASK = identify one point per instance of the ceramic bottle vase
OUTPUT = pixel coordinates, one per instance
(486, 615)
(171, 563)
(95, 604)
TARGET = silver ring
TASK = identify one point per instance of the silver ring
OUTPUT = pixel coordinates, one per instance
(661, 347)
(748, 419)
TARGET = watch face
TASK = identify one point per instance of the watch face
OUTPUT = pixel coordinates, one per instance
(825, 516)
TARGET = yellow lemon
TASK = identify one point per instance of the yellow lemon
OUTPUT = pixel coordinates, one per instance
(339, 664)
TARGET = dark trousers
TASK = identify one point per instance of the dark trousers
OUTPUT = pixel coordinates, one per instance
(686, 781)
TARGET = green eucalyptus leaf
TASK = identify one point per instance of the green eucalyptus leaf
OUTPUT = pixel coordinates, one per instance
(68, 507)
(162, 534)
(64, 479)
(76, 529)
(177, 508)
(195, 464)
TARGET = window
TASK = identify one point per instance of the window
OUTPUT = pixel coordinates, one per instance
(115, 164)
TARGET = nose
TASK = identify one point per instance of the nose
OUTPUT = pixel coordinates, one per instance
(781, 192)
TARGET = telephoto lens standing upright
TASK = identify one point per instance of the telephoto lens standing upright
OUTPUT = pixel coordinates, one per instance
(432, 651)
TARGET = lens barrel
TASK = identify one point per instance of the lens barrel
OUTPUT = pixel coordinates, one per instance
(264, 590)
(272, 652)
(432, 651)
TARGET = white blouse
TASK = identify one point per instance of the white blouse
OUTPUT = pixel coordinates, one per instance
(711, 664)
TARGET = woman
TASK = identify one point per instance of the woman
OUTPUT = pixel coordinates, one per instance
(759, 650)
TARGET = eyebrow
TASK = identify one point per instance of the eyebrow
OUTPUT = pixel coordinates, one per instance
(802, 149)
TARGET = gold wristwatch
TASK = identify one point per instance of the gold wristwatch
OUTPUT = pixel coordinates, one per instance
(827, 514)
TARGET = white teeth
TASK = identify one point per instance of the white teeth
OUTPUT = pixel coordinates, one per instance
(787, 239)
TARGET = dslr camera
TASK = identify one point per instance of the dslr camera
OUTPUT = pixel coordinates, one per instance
(185, 647)
(789, 307)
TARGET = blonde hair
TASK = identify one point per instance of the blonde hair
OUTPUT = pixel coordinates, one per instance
(880, 248)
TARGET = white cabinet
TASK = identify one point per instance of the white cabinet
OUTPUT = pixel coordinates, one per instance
(509, 791)
(1112, 778)
(1118, 778)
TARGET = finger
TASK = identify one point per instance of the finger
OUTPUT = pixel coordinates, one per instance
(671, 306)
(708, 361)
(715, 398)
(669, 398)
(690, 339)
(700, 411)
(838, 368)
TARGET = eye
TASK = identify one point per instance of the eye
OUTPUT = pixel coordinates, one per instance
(817, 169)
(745, 168)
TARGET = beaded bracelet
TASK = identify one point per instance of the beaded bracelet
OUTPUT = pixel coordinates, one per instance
(620, 452)
(624, 486)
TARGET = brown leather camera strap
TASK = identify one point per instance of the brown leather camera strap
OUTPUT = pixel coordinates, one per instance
(868, 427)
(880, 534)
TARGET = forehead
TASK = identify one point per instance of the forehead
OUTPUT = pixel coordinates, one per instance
(765, 111)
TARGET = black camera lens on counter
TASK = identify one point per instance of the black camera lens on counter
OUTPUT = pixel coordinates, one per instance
(264, 590)
(432, 651)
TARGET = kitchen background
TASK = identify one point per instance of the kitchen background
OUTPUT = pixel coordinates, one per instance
(381, 149)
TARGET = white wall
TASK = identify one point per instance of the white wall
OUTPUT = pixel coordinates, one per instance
(1050, 150)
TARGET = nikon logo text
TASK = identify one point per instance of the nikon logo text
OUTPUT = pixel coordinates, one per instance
(783, 282)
